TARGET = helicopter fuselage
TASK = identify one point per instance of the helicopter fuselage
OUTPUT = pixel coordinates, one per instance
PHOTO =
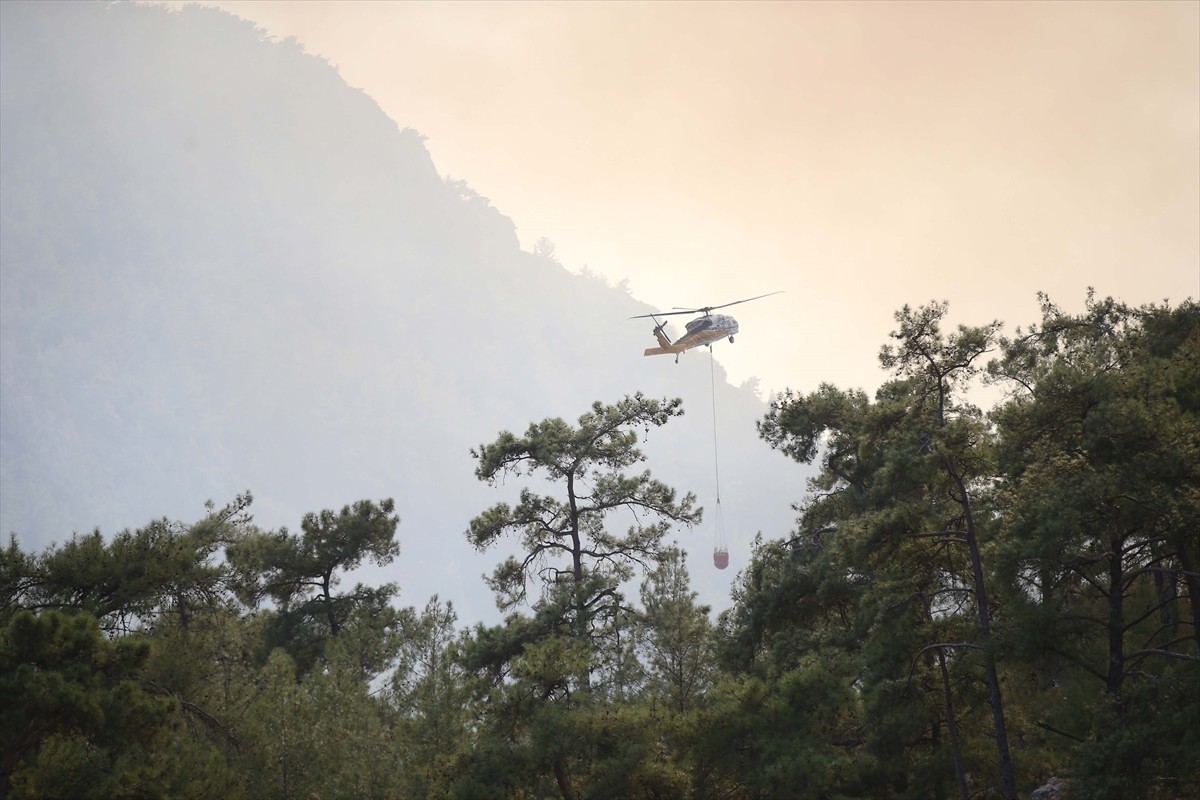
(708, 329)
(699, 332)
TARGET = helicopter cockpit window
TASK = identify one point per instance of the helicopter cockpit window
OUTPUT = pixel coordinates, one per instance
(699, 324)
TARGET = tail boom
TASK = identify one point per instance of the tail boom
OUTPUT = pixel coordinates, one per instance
(669, 349)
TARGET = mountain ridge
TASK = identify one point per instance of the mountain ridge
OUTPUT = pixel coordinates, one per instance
(224, 269)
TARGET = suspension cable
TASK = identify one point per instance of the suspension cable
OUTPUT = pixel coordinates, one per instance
(712, 381)
(719, 521)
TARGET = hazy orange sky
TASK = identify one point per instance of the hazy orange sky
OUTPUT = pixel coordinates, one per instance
(857, 155)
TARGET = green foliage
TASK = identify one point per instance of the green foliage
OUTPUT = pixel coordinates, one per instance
(566, 542)
(1149, 746)
(549, 678)
(541, 738)
(1050, 545)
(18, 578)
(429, 693)
(178, 703)
(957, 579)
(888, 566)
(323, 735)
(134, 579)
(678, 643)
(587, 461)
(300, 573)
(75, 720)
(1099, 449)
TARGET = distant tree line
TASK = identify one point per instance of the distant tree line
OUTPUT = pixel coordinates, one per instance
(971, 605)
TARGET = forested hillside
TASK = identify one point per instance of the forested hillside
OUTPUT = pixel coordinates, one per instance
(974, 605)
(223, 269)
(226, 270)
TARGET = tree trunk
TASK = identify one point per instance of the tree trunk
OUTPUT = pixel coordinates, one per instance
(578, 601)
(1191, 579)
(327, 597)
(1116, 617)
(1007, 773)
(960, 773)
(561, 778)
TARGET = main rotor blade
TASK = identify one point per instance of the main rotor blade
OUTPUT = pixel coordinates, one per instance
(661, 314)
(704, 309)
(735, 302)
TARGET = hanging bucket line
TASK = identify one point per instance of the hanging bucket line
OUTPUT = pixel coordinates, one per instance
(720, 550)
(712, 383)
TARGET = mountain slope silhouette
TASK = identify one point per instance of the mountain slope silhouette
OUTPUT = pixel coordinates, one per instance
(225, 269)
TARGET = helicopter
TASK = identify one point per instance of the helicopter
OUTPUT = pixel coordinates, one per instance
(703, 330)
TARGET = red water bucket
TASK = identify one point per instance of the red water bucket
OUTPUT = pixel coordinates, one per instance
(720, 558)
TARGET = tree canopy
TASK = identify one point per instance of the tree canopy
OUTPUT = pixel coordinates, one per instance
(973, 603)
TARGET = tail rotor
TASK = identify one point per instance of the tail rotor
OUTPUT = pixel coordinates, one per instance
(663, 339)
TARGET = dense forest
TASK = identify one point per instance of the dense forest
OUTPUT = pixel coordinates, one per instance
(973, 604)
